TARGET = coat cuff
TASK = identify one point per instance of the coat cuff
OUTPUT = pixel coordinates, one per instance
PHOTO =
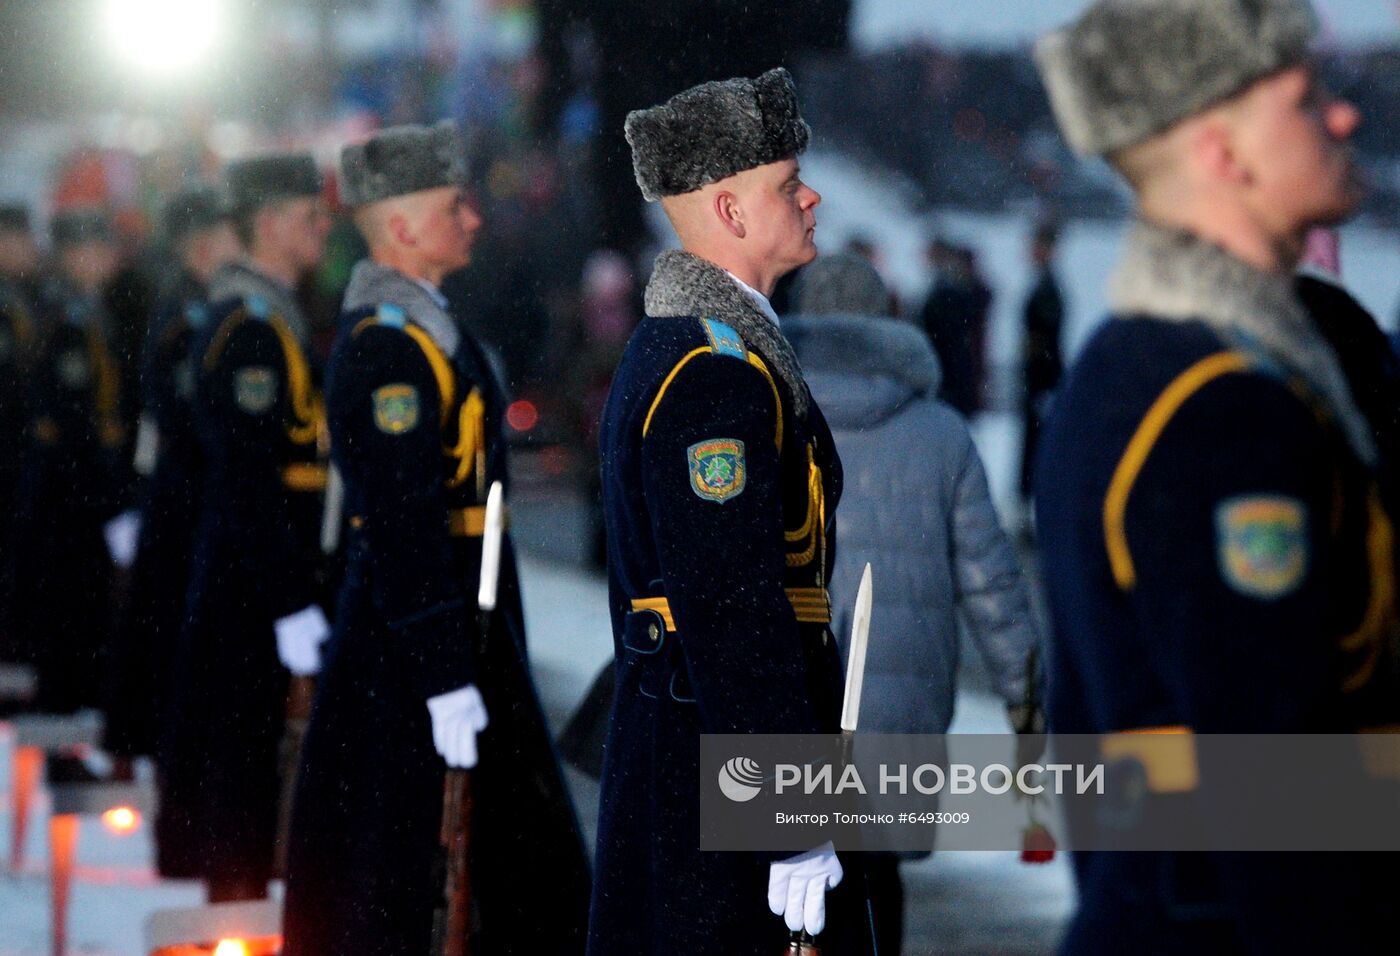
(440, 645)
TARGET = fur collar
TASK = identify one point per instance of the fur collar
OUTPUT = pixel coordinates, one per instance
(372, 285)
(684, 285)
(243, 280)
(867, 346)
(1174, 276)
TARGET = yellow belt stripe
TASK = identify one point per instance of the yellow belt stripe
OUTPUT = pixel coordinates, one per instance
(304, 476)
(1167, 755)
(1148, 432)
(810, 605)
(470, 522)
(660, 606)
(1380, 757)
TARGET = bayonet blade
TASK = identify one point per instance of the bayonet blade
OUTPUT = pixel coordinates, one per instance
(331, 516)
(491, 547)
(855, 654)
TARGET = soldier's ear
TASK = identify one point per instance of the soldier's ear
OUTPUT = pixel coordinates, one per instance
(1212, 146)
(398, 226)
(728, 211)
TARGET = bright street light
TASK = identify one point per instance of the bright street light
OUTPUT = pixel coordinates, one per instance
(164, 37)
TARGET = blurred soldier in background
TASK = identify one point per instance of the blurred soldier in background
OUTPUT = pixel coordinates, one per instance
(1042, 361)
(19, 256)
(411, 684)
(954, 319)
(19, 267)
(255, 579)
(69, 486)
(1218, 556)
(199, 234)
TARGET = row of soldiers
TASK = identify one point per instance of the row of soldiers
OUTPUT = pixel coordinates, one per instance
(236, 495)
(1214, 491)
(67, 412)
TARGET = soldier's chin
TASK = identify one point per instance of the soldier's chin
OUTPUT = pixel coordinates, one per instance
(1340, 211)
(1354, 189)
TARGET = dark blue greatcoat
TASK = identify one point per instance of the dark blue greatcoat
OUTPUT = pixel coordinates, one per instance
(69, 485)
(1164, 617)
(18, 337)
(720, 486)
(417, 435)
(147, 636)
(260, 423)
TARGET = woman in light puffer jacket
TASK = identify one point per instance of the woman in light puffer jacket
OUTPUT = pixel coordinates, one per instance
(915, 505)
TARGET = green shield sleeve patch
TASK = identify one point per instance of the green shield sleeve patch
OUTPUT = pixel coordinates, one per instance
(255, 389)
(1262, 544)
(396, 408)
(717, 469)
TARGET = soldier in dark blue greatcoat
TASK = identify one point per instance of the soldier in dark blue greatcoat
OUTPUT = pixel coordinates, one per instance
(252, 611)
(1218, 551)
(412, 685)
(19, 330)
(72, 470)
(720, 486)
(199, 233)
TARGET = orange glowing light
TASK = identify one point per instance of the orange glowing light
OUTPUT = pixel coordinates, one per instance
(121, 820)
(522, 415)
(258, 946)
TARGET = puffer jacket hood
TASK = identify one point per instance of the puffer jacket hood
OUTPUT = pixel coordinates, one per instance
(868, 368)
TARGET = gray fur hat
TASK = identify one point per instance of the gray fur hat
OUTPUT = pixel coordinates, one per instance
(265, 180)
(712, 131)
(191, 210)
(1127, 70)
(70, 227)
(401, 160)
(842, 284)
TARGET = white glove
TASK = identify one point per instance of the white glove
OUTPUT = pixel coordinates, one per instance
(122, 534)
(299, 640)
(797, 887)
(458, 716)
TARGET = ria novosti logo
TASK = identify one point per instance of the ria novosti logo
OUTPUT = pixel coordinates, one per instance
(740, 779)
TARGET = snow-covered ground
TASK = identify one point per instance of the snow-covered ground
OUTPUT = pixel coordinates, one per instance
(958, 902)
